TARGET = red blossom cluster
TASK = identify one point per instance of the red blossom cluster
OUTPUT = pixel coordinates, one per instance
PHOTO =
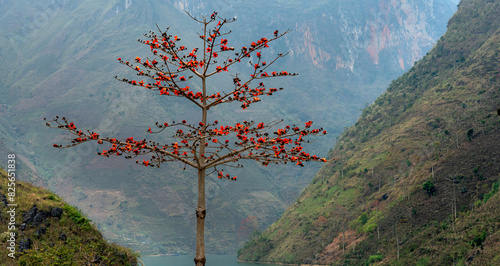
(204, 145)
(170, 59)
(250, 141)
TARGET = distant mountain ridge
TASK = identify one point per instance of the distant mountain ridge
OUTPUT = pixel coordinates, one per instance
(59, 58)
(416, 179)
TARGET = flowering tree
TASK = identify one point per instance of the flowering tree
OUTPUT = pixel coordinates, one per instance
(205, 145)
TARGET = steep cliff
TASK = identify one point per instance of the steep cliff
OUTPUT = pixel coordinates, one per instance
(416, 179)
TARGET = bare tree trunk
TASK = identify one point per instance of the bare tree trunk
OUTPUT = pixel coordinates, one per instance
(455, 199)
(453, 204)
(397, 238)
(201, 212)
(343, 215)
(378, 226)
(378, 231)
(408, 187)
(343, 237)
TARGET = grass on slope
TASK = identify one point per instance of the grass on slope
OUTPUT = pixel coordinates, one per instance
(64, 238)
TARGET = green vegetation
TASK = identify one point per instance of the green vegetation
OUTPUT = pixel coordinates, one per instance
(77, 217)
(434, 132)
(261, 245)
(429, 187)
(58, 233)
(375, 258)
(372, 223)
(492, 192)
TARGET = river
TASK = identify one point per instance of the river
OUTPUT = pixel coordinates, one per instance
(188, 260)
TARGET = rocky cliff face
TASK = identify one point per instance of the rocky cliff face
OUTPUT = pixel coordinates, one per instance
(59, 57)
(382, 27)
(343, 33)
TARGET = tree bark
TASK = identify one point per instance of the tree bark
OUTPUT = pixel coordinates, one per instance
(343, 233)
(201, 209)
(201, 212)
(378, 227)
(343, 240)
(397, 239)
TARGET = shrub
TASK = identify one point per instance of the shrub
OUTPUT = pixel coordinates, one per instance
(375, 258)
(52, 197)
(371, 224)
(363, 218)
(424, 261)
(494, 189)
(429, 187)
(470, 132)
(478, 239)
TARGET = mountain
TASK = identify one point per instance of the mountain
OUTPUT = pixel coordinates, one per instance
(50, 231)
(416, 178)
(59, 58)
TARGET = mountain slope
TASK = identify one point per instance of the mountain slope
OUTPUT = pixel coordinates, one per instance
(49, 231)
(418, 168)
(59, 58)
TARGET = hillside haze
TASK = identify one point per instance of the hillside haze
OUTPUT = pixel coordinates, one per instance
(416, 179)
(59, 58)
